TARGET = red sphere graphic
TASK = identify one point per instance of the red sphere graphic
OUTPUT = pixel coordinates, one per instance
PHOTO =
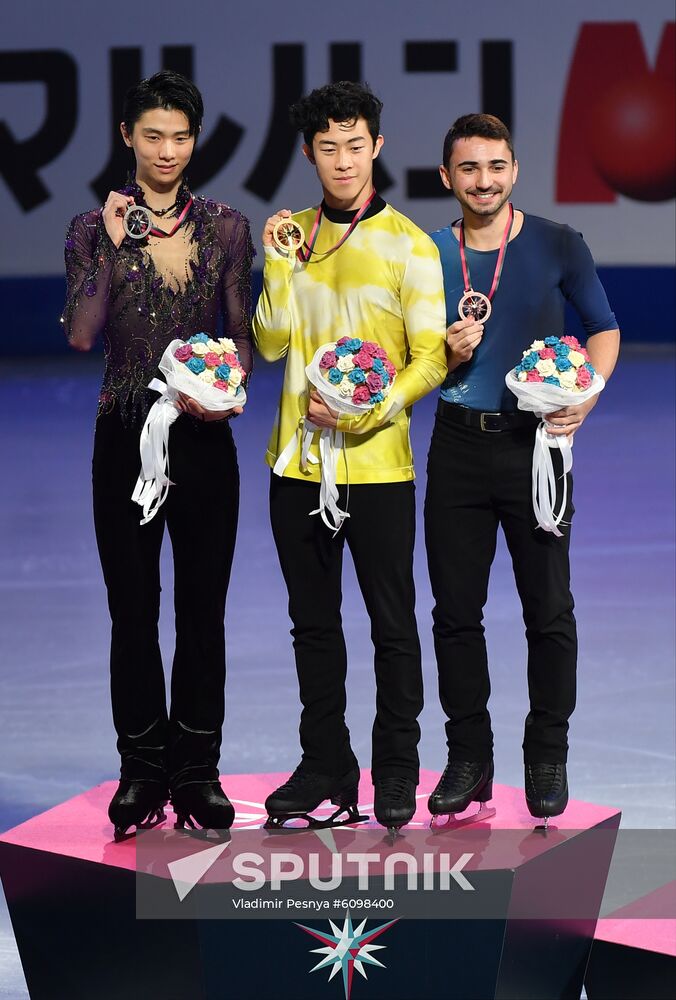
(632, 138)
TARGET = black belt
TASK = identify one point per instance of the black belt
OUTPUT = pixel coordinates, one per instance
(490, 422)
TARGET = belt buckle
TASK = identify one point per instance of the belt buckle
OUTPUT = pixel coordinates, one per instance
(482, 423)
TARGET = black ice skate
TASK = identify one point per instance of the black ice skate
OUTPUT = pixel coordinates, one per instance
(203, 803)
(462, 783)
(394, 803)
(546, 790)
(306, 790)
(137, 803)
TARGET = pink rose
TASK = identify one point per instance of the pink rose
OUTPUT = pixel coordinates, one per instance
(362, 359)
(229, 359)
(584, 379)
(584, 353)
(374, 382)
(547, 352)
(343, 340)
(212, 360)
(369, 347)
(220, 384)
(361, 395)
(380, 353)
(571, 341)
(328, 360)
(533, 376)
(390, 369)
(183, 353)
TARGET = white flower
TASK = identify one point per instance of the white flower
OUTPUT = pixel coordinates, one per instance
(228, 345)
(235, 377)
(546, 367)
(345, 387)
(576, 359)
(216, 347)
(207, 376)
(537, 345)
(345, 363)
(567, 378)
(199, 349)
(522, 376)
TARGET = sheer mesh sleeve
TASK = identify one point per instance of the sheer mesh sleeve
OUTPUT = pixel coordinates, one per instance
(236, 288)
(90, 256)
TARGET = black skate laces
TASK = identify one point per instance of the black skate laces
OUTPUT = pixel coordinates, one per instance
(462, 770)
(396, 788)
(542, 778)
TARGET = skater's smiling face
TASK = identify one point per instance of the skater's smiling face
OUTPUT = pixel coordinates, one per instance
(481, 174)
(343, 156)
(162, 145)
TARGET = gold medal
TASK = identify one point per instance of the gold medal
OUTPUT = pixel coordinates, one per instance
(288, 236)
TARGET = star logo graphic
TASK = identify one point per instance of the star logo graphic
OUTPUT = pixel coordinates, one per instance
(347, 949)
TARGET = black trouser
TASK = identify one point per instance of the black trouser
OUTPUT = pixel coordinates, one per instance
(201, 514)
(476, 481)
(380, 533)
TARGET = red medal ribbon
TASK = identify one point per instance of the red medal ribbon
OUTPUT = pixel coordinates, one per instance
(154, 231)
(466, 277)
(307, 251)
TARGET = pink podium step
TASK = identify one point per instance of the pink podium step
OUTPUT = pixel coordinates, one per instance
(634, 950)
(72, 897)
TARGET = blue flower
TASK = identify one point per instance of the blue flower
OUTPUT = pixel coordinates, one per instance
(342, 350)
(353, 345)
(551, 341)
(590, 368)
(529, 362)
(196, 365)
(335, 376)
(519, 368)
(378, 366)
(357, 376)
(552, 379)
(377, 397)
(223, 372)
(563, 364)
(563, 350)
(199, 338)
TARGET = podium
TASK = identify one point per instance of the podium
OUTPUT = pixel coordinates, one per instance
(72, 898)
(634, 950)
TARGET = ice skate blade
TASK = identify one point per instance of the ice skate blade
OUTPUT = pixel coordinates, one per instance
(450, 821)
(153, 819)
(276, 824)
(393, 834)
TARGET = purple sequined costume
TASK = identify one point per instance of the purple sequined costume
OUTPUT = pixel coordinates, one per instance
(140, 307)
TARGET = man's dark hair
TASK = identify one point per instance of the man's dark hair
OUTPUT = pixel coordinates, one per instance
(168, 90)
(343, 102)
(469, 126)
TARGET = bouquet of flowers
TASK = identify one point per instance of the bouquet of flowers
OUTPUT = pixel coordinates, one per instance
(553, 373)
(208, 371)
(351, 375)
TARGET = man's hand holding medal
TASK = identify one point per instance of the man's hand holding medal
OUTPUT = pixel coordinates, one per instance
(113, 215)
(462, 339)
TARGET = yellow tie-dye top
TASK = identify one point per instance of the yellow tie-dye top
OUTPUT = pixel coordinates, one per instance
(383, 284)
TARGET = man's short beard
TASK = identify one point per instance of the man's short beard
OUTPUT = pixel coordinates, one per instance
(488, 209)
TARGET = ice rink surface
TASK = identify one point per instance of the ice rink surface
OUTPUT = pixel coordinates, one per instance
(56, 733)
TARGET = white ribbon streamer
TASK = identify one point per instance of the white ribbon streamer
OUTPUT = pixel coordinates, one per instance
(544, 479)
(152, 485)
(331, 443)
(541, 398)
